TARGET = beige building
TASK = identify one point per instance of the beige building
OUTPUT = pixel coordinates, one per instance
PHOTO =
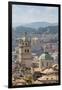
(24, 55)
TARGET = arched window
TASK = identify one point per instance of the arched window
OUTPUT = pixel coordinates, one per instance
(26, 44)
(25, 50)
(46, 78)
(28, 50)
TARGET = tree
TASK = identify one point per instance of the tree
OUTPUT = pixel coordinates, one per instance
(28, 79)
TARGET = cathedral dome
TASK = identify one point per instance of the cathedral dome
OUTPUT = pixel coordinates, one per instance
(45, 56)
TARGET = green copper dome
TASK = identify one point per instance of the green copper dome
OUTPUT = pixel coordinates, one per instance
(45, 56)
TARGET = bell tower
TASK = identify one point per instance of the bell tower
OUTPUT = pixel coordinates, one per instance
(24, 51)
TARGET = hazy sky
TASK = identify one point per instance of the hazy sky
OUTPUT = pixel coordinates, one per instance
(22, 14)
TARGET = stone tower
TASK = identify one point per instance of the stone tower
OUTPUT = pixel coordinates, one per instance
(24, 56)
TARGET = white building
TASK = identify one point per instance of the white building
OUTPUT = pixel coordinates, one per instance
(45, 60)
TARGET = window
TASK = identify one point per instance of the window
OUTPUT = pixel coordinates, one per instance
(46, 78)
(28, 50)
(26, 44)
(25, 50)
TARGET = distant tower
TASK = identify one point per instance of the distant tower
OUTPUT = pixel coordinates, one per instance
(24, 51)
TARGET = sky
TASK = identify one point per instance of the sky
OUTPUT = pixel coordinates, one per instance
(23, 14)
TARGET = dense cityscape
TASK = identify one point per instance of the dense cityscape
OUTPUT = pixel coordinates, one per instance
(35, 59)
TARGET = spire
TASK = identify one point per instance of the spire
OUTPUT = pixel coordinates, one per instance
(25, 35)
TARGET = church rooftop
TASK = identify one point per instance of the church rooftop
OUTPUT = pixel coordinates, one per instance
(45, 56)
